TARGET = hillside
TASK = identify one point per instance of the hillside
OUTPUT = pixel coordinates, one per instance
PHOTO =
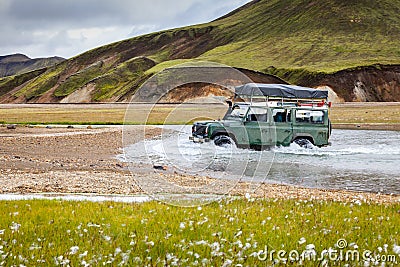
(19, 63)
(350, 46)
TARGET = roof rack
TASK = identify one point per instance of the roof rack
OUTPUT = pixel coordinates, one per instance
(282, 95)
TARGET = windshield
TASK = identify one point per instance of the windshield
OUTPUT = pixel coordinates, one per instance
(238, 112)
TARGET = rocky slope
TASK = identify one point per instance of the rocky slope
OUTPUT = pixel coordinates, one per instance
(19, 63)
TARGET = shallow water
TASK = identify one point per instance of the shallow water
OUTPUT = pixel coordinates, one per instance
(357, 160)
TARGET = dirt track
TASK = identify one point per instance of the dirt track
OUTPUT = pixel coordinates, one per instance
(61, 160)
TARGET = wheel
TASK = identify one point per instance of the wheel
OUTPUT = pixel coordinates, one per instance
(304, 143)
(222, 140)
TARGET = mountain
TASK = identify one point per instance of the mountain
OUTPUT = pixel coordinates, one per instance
(19, 63)
(350, 46)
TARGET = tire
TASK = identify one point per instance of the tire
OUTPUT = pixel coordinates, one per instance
(304, 143)
(223, 140)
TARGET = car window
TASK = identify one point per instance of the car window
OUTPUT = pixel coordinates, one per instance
(257, 114)
(310, 116)
(281, 115)
(238, 111)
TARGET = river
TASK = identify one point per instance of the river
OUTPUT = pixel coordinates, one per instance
(359, 160)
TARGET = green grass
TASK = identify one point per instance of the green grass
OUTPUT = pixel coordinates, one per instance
(151, 234)
(40, 84)
(79, 79)
(121, 79)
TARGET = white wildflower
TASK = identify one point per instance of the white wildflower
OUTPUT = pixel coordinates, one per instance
(238, 243)
(385, 247)
(302, 241)
(227, 263)
(73, 250)
(396, 249)
(150, 243)
(107, 238)
(117, 251)
(182, 225)
(167, 236)
(310, 247)
(215, 246)
(238, 233)
(15, 226)
(84, 254)
(93, 225)
(125, 258)
(34, 246)
(203, 221)
(205, 261)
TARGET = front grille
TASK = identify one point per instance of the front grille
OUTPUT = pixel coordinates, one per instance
(199, 130)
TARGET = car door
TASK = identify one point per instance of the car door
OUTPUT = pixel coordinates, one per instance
(282, 126)
(257, 127)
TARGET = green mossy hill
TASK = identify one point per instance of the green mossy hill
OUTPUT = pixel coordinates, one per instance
(301, 41)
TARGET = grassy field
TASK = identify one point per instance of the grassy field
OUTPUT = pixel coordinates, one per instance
(233, 232)
(110, 114)
(361, 113)
(349, 113)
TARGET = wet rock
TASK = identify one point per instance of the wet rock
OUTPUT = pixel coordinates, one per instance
(70, 127)
(49, 127)
(11, 126)
(160, 167)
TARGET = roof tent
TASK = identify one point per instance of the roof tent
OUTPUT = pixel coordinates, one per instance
(279, 91)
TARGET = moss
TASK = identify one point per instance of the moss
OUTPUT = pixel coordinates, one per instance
(79, 79)
(116, 82)
(39, 85)
(9, 83)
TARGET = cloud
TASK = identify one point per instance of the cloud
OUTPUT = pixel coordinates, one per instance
(41, 28)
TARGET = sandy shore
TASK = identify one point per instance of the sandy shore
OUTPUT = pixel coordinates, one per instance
(61, 160)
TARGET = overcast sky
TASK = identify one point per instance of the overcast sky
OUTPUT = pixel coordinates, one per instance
(42, 28)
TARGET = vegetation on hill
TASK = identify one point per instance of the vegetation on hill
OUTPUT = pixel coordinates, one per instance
(307, 41)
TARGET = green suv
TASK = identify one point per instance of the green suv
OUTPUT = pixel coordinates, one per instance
(265, 115)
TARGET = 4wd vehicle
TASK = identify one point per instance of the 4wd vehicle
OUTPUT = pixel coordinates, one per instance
(265, 115)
